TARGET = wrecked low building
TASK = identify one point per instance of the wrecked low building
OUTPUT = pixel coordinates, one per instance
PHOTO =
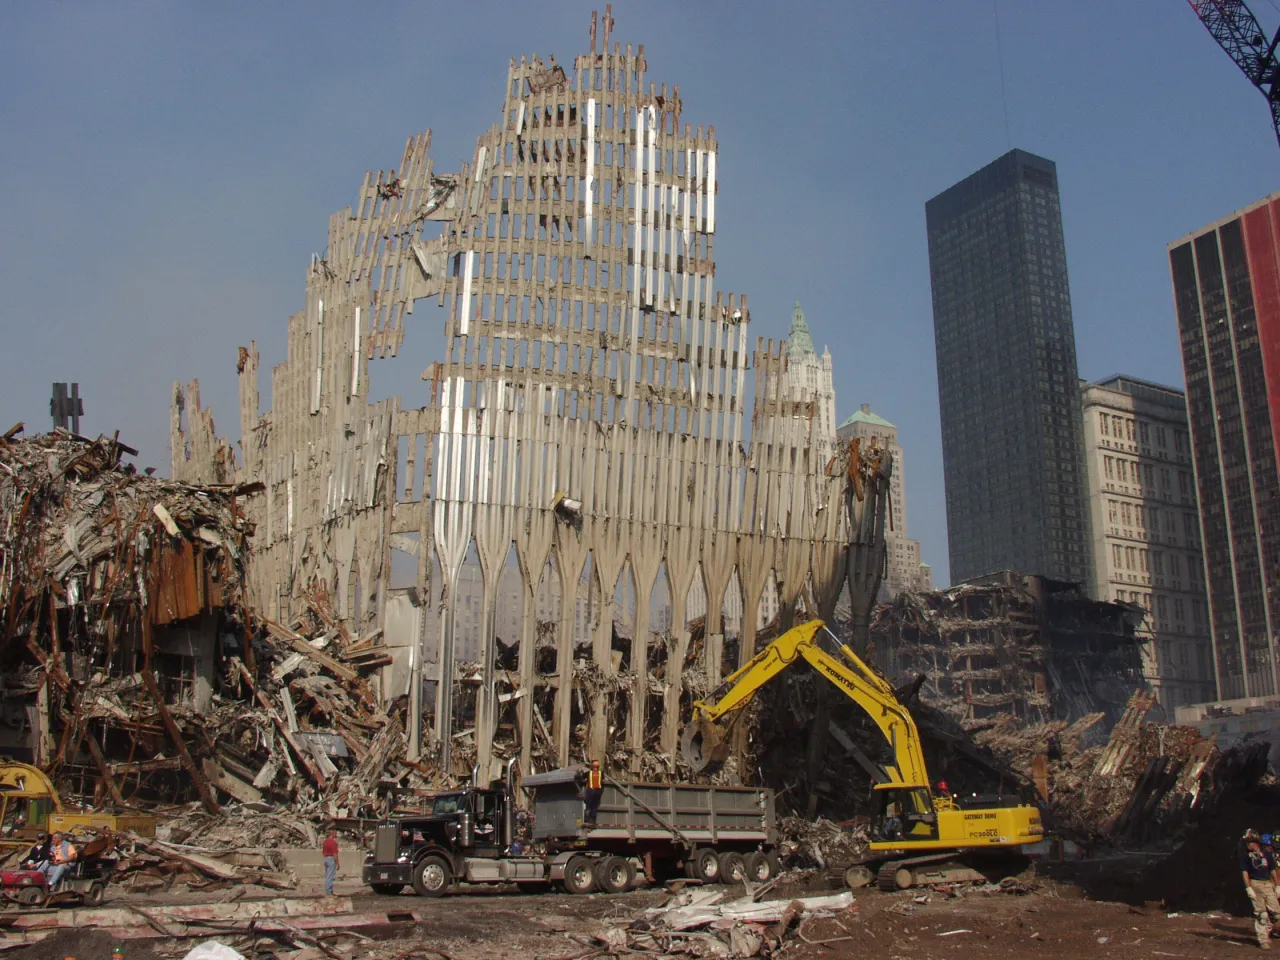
(584, 445)
(1013, 644)
(110, 578)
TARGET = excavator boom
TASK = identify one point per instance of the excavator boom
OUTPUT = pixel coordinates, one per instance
(704, 744)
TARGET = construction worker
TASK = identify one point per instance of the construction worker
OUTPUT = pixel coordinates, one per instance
(591, 796)
(1257, 868)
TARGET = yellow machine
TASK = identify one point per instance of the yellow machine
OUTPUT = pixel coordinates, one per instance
(910, 818)
(29, 804)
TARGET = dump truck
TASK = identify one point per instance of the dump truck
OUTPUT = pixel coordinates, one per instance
(917, 836)
(479, 836)
(29, 805)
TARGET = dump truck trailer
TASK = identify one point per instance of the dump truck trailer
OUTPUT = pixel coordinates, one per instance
(477, 836)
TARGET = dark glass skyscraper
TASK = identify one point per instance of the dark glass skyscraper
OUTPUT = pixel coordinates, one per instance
(1012, 433)
(1226, 288)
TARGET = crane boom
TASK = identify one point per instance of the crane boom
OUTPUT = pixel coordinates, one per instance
(1238, 32)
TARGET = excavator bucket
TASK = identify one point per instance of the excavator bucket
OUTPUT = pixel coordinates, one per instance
(704, 745)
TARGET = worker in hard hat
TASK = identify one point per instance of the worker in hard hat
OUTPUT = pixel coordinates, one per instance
(591, 796)
(1258, 869)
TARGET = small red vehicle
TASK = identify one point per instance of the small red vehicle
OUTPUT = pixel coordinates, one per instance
(85, 882)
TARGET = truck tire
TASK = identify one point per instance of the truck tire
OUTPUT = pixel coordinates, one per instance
(615, 874)
(705, 865)
(431, 877)
(733, 868)
(96, 893)
(759, 867)
(579, 875)
(387, 889)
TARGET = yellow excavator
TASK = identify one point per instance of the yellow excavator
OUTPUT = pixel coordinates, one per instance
(29, 805)
(917, 836)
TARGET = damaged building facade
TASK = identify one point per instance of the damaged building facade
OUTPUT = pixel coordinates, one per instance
(1013, 645)
(584, 447)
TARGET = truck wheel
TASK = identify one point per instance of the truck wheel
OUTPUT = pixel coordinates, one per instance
(706, 865)
(759, 868)
(431, 877)
(615, 874)
(387, 889)
(96, 893)
(733, 868)
(579, 877)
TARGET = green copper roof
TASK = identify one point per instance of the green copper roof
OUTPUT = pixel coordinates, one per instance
(866, 416)
(799, 342)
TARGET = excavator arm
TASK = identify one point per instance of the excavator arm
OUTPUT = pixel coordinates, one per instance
(705, 743)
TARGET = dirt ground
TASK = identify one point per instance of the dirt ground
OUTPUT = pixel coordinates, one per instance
(1055, 920)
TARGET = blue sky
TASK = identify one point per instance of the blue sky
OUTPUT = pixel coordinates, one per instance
(167, 169)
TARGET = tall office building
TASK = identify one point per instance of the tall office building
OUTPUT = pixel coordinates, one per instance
(1226, 289)
(905, 571)
(1146, 545)
(1007, 384)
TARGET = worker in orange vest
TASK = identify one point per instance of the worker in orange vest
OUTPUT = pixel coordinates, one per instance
(591, 796)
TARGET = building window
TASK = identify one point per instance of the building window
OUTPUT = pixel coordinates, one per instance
(1184, 483)
(1122, 471)
(1179, 441)
(1148, 476)
(1179, 609)
(1113, 511)
(1161, 439)
(1189, 526)
(1165, 480)
(1144, 432)
(1157, 562)
(1117, 555)
(1127, 512)
(1109, 467)
(1130, 558)
(1102, 424)
(1162, 607)
(1142, 557)
(1174, 566)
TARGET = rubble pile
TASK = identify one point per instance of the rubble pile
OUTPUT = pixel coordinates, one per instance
(1145, 786)
(704, 922)
(819, 844)
(85, 537)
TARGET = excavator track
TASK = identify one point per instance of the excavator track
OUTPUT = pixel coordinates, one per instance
(918, 871)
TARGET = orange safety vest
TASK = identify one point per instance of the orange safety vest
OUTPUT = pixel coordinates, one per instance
(595, 779)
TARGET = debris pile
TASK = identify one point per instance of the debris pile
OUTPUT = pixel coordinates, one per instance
(702, 922)
(820, 843)
(151, 864)
(1146, 786)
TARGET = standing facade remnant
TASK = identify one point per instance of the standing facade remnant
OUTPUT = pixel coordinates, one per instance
(586, 420)
(904, 569)
(1007, 383)
(66, 407)
(1226, 290)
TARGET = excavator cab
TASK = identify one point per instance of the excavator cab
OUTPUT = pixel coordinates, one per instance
(903, 814)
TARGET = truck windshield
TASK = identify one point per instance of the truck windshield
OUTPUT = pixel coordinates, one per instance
(449, 803)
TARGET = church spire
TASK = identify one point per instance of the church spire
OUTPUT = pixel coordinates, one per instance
(799, 342)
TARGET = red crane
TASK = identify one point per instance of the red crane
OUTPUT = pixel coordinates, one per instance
(1237, 31)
